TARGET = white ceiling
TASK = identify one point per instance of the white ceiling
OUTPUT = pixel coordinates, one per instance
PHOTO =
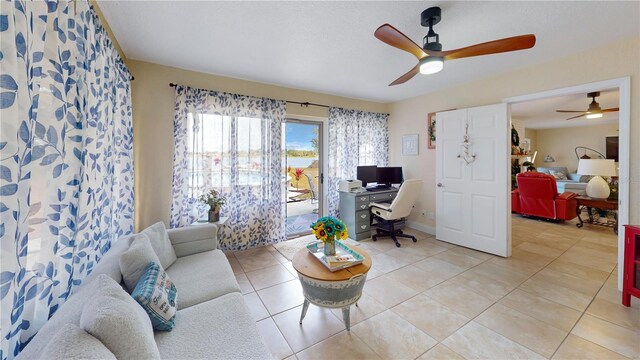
(541, 114)
(329, 46)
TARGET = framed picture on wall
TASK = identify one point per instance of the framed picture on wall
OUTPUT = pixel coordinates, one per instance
(431, 131)
(410, 144)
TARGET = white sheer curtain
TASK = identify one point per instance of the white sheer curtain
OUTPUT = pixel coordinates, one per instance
(355, 138)
(231, 143)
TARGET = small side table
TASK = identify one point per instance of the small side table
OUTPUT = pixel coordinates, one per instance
(221, 222)
(603, 204)
(321, 287)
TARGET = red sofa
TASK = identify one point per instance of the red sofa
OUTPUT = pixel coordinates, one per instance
(537, 195)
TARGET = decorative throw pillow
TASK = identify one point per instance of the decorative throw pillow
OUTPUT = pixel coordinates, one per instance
(161, 244)
(71, 342)
(558, 174)
(134, 261)
(156, 294)
(114, 318)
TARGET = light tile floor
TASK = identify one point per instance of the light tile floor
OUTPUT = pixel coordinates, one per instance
(556, 297)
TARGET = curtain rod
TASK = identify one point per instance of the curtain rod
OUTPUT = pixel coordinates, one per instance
(305, 104)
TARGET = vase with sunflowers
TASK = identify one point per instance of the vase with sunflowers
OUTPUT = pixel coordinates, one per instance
(329, 229)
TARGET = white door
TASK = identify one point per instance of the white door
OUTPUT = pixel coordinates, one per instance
(472, 207)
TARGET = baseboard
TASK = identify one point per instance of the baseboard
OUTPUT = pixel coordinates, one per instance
(421, 227)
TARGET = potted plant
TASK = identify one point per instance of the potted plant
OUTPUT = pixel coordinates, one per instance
(297, 175)
(215, 201)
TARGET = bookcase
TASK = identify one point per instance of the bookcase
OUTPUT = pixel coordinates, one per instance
(631, 279)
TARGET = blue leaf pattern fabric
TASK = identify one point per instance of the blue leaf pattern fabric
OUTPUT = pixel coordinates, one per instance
(256, 208)
(355, 138)
(66, 158)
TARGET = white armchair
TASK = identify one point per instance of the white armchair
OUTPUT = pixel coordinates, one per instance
(389, 215)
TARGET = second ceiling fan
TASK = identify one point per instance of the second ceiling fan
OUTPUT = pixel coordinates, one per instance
(593, 112)
(430, 56)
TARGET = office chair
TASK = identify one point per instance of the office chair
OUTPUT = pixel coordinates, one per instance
(389, 215)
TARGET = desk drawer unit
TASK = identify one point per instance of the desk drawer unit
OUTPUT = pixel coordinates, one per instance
(354, 211)
(362, 217)
(362, 206)
(362, 199)
(362, 231)
(382, 197)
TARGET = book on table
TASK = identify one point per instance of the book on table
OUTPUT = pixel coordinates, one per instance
(345, 256)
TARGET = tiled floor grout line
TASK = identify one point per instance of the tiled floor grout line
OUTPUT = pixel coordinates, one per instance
(514, 289)
(582, 315)
(425, 239)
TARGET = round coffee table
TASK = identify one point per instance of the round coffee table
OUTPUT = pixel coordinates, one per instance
(324, 288)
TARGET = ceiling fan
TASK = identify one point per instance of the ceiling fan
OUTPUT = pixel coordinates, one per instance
(430, 56)
(593, 112)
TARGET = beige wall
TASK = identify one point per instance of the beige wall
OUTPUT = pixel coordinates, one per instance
(409, 116)
(561, 143)
(153, 107)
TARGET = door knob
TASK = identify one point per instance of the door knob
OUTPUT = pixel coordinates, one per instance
(440, 185)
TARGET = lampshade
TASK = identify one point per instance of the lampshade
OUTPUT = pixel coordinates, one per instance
(601, 167)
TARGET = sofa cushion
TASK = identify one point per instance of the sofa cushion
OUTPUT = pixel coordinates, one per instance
(201, 277)
(118, 321)
(134, 261)
(110, 262)
(71, 342)
(68, 313)
(558, 174)
(161, 244)
(221, 328)
(546, 170)
(574, 187)
(157, 295)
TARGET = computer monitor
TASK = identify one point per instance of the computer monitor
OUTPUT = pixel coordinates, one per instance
(389, 175)
(367, 174)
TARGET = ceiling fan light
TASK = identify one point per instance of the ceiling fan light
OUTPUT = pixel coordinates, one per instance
(431, 65)
(594, 116)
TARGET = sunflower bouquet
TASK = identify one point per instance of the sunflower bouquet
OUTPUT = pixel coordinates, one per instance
(327, 229)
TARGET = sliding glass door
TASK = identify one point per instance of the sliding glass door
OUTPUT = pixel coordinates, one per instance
(303, 145)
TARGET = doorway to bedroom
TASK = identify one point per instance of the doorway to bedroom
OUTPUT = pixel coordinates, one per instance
(303, 147)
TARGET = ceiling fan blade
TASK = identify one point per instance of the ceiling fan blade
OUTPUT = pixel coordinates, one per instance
(611, 110)
(392, 36)
(569, 111)
(575, 117)
(515, 43)
(404, 78)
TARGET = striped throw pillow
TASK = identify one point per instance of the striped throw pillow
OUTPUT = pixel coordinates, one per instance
(157, 295)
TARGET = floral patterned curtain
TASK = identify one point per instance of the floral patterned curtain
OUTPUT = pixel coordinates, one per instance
(231, 143)
(355, 138)
(66, 159)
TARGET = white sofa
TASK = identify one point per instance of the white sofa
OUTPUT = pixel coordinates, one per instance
(574, 183)
(212, 320)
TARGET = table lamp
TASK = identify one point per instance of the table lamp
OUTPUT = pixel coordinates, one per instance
(597, 187)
